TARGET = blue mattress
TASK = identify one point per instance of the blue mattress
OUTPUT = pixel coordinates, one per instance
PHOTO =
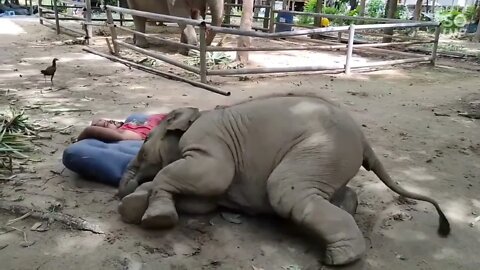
(102, 162)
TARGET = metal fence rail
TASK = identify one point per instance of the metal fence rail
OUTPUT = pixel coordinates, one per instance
(86, 21)
(349, 47)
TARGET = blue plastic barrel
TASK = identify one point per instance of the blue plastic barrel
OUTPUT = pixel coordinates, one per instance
(284, 17)
(472, 27)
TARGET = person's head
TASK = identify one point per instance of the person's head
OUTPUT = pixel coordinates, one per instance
(111, 124)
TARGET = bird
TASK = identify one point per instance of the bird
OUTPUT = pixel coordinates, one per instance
(50, 71)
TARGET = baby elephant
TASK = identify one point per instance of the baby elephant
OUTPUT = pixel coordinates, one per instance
(291, 155)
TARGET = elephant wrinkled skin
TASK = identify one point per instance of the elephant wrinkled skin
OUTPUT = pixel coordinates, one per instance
(180, 8)
(290, 155)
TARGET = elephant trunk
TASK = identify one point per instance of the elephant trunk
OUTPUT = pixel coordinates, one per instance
(128, 183)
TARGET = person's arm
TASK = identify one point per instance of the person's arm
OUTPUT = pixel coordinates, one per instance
(107, 134)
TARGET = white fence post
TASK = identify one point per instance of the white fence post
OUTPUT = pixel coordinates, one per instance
(348, 62)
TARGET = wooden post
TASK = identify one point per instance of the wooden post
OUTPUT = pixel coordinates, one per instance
(111, 25)
(348, 62)
(31, 6)
(271, 27)
(266, 18)
(203, 55)
(433, 9)
(88, 20)
(122, 17)
(228, 11)
(57, 22)
(390, 12)
(435, 45)
(40, 12)
(318, 9)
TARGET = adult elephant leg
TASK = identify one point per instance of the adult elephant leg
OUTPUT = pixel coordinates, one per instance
(300, 188)
(188, 34)
(216, 9)
(198, 174)
(140, 22)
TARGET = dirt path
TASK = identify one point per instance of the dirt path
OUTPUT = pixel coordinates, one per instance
(410, 115)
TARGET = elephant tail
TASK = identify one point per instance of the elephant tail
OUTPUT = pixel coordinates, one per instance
(371, 163)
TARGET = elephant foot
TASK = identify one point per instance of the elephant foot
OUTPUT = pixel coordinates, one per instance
(142, 44)
(133, 206)
(184, 51)
(160, 214)
(127, 189)
(345, 251)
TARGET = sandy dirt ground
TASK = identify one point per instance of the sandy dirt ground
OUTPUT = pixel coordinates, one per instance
(410, 114)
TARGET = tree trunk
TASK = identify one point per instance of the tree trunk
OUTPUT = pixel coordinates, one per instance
(318, 9)
(477, 34)
(390, 11)
(434, 2)
(362, 8)
(418, 10)
(245, 25)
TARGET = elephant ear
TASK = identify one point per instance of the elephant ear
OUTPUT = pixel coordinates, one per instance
(181, 119)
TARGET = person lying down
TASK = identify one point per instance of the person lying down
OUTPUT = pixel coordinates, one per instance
(135, 127)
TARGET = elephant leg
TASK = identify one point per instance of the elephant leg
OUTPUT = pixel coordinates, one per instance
(346, 198)
(216, 9)
(140, 23)
(132, 206)
(188, 34)
(198, 174)
(300, 187)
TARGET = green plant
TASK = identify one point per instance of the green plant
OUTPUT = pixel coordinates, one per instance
(470, 13)
(305, 20)
(401, 13)
(16, 134)
(354, 12)
(330, 10)
(375, 8)
(310, 6)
